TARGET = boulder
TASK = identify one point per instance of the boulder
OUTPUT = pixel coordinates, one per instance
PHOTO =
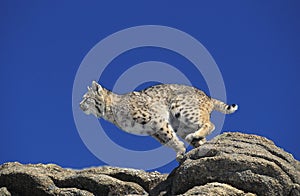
(249, 163)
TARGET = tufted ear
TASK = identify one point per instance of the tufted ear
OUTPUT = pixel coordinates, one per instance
(96, 87)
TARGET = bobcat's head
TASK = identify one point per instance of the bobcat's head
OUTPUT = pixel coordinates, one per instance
(93, 101)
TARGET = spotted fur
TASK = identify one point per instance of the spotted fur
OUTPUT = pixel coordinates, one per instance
(163, 111)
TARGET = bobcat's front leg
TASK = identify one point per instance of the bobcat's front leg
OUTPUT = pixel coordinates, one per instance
(165, 134)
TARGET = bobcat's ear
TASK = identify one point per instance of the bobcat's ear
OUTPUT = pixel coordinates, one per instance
(96, 87)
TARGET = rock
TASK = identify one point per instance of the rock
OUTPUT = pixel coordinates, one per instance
(249, 163)
(145, 179)
(215, 188)
(70, 192)
(50, 179)
(230, 164)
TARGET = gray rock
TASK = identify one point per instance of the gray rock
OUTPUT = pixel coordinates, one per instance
(50, 179)
(250, 163)
(71, 192)
(215, 188)
(230, 164)
(147, 180)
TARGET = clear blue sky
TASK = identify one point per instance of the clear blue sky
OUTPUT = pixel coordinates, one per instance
(42, 43)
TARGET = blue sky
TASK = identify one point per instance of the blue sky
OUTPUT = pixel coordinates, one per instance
(42, 43)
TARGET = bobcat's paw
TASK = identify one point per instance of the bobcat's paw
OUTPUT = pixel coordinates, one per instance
(195, 140)
(198, 142)
(189, 138)
(180, 157)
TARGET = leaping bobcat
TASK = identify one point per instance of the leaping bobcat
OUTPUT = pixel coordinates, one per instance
(163, 111)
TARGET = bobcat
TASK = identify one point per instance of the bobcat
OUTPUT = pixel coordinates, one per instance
(163, 111)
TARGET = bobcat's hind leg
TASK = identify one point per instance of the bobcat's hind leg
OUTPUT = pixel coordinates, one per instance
(198, 138)
(165, 134)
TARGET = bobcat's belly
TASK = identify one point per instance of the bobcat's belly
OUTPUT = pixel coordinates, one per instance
(127, 124)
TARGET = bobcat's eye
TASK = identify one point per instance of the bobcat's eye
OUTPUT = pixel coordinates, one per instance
(88, 101)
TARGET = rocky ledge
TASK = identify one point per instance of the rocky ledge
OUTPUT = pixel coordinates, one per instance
(230, 164)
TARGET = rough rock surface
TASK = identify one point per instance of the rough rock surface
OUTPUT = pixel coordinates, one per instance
(230, 164)
(50, 179)
(215, 188)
